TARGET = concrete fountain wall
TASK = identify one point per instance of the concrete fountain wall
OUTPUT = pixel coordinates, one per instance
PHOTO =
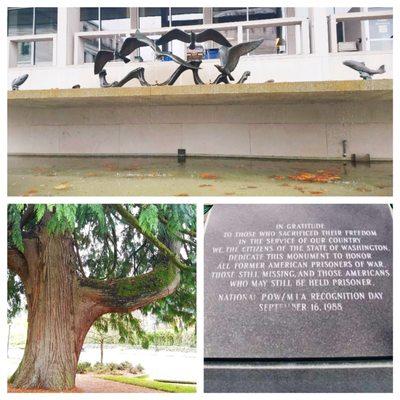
(294, 120)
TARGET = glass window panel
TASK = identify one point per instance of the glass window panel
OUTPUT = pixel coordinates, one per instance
(186, 16)
(269, 34)
(381, 45)
(112, 43)
(256, 13)
(43, 52)
(153, 17)
(380, 9)
(340, 32)
(344, 10)
(46, 20)
(90, 49)
(222, 14)
(381, 29)
(24, 55)
(114, 19)
(89, 19)
(20, 21)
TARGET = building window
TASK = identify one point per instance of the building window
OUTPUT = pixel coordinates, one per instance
(153, 17)
(269, 34)
(103, 19)
(20, 21)
(256, 13)
(222, 14)
(380, 32)
(162, 17)
(31, 21)
(45, 20)
(376, 35)
(90, 19)
(186, 16)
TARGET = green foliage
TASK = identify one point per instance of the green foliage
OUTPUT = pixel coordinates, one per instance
(14, 291)
(148, 218)
(126, 326)
(169, 337)
(149, 383)
(163, 337)
(109, 368)
(110, 249)
(84, 367)
(62, 218)
(14, 220)
(40, 211)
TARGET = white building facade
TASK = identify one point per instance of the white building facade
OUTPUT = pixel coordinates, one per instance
(315, 105)
(56, 46)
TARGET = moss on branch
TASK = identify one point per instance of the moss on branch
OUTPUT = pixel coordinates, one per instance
(150, 283)
(128, 292)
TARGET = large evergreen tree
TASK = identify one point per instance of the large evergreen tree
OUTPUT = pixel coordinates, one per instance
(75, 263)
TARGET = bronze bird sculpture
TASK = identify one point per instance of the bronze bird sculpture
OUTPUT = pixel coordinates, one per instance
(131, 44)
(193, 38)
(365, 72)
(104, 56)
(229, 56)
(18, 81)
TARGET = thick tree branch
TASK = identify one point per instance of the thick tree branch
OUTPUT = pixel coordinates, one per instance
(182, 230)
(129, 294)
(133, 221)
(78, 257)
(28, 214)
(16, 262)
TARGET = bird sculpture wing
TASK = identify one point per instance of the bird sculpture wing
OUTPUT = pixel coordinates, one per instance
(101, 59)
(159, 52)
(174, 34)
(235, 52)
(214, 35)
(146, 40)
(130, 45)
(177, 59)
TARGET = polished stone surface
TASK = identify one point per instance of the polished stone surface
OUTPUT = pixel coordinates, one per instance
(366, 377)
(262, 301)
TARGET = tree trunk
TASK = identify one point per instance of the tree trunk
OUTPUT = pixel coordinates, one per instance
(62, 307)
(101, 351)
(50, 356)
(8, 340)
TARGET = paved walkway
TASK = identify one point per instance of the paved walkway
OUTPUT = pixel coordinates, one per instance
(89, 384)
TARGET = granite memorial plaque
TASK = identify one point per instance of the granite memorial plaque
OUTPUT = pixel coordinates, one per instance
(298, 282)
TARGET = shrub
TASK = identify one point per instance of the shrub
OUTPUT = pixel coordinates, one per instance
(83, 367)
(112, 366)
(125, 366)
(117, 369)
(140, 367)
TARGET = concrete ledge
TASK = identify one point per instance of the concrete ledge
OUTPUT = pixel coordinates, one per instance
(254, 93)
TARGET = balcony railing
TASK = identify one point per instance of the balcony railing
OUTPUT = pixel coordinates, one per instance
(353, 16)
(235, 32)
(298, 40)
(14, 40)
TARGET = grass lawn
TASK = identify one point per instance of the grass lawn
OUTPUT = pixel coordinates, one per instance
(144, 381)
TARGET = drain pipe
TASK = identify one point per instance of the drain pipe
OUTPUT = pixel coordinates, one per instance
(344, 147)
(181, 156)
